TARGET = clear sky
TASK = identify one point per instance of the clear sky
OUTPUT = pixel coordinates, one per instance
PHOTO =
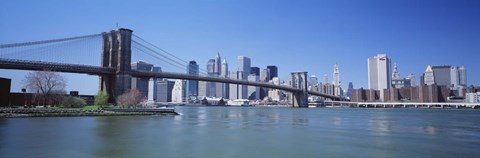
(294, 35)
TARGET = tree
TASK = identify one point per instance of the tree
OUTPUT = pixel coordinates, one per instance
(73, 102)
(46, 84)
(101, 99)
(129, 98)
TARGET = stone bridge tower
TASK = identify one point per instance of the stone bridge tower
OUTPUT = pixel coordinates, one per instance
(300, 98)
(116, 54)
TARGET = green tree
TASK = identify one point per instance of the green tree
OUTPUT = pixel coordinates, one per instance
(73, 102)
(101, 99)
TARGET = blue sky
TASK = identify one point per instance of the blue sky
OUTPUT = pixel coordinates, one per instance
(294, 35)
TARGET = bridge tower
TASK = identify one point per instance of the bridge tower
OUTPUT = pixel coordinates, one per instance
(116, 54)
(300, 98)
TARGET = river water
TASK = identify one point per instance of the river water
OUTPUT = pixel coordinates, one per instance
(250, 132)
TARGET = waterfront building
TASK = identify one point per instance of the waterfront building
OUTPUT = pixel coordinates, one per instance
(312, 80)
(365, 95)
(253, 92)
(273, 71)
(217, 67)
(379, 73)
(179, 92)
(428, 76)
(192, 85)
(202, 88)
(164, 90)
(141, 84)
(472, 97)
(5, 85)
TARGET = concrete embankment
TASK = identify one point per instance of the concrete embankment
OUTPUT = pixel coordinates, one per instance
(35, 112)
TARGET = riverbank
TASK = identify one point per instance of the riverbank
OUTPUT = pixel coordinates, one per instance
(40, 112)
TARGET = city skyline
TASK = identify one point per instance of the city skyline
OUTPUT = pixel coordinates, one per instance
(413, 44)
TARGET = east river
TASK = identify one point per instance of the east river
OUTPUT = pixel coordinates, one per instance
(249, 132)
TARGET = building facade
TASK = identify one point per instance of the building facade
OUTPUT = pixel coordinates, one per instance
(379, 73)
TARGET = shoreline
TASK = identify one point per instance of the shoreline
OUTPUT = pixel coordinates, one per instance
(33, 112)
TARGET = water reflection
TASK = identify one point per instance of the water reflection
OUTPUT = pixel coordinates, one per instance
(111, 132)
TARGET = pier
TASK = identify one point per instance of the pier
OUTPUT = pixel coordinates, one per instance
(343, 104)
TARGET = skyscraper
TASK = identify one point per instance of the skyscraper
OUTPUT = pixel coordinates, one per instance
(336, 81)
(212, 72)
(141, 83)
(192, 85)
(325, 79)
(178, 91)
(442, 75)
(458, 77)
(273, 71)
(224, 74)
(429, 76)
(255, 71)
(264, 75)
(413, 82)
(379, 73)
(217, 66)
(253, 91)
(244, 66)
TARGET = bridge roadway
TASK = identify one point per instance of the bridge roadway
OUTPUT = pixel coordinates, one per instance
(96, 70)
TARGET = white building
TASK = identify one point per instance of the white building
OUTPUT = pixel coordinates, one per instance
(179, 92)
(472, 97)
(379, 73)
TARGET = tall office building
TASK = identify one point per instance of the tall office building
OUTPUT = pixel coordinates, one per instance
(336, 81)
(212, 72)
(325, 79)
(442, 75)
(350, 90)
(413, 82)
(336, 75)
(153, 86)
(235, 90)
(179, 91)
(458, 77)
(164, 90)
(224, 74)
(264, 75)
(218, 66)
(379, 73)
(255, 71)
(141, 83)
(192, 85)
(273, 71)
(253, 91)
(244, 66)
(312, 80)
(429, 76)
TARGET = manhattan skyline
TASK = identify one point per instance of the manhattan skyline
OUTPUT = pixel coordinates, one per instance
(301, 36)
